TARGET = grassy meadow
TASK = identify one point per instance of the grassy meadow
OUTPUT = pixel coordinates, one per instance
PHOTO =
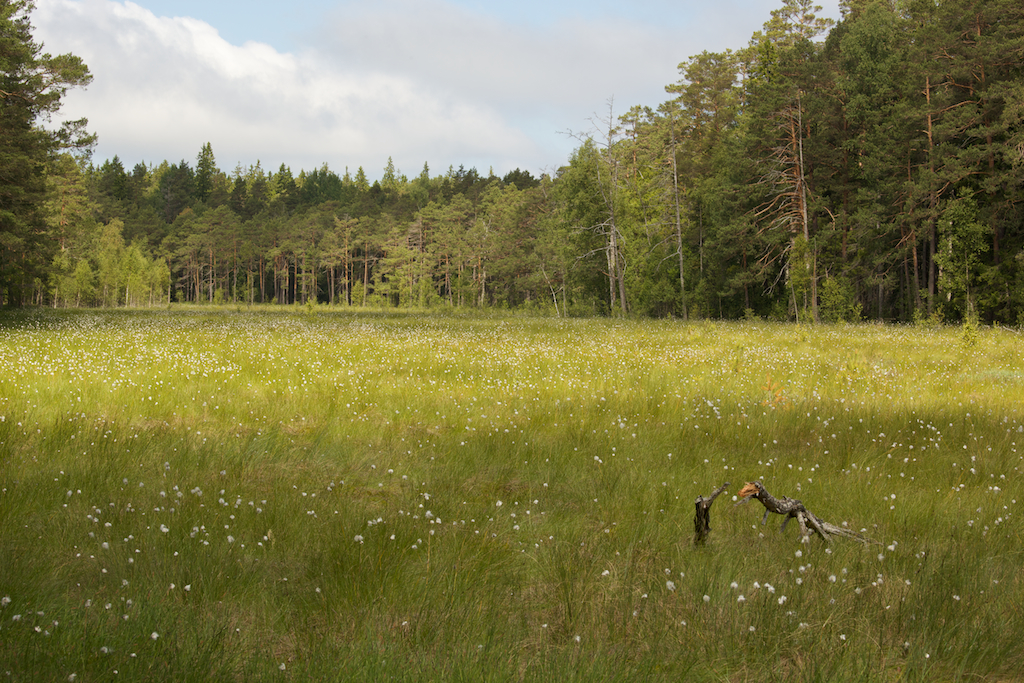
(234, 495)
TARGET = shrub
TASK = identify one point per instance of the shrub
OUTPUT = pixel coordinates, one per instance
(839, 301)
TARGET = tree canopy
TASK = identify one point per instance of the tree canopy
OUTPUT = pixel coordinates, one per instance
(872, 167)
(32, 84)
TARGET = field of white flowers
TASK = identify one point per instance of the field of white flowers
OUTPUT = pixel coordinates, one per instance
(203, 494)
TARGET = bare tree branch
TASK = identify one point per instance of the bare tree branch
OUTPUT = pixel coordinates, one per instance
(702, 516)
(790, 509)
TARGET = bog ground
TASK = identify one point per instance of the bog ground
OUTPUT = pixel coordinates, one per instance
(204, 494)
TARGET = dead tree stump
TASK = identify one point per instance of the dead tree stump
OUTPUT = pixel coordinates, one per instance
(702, 516)
(790, 509)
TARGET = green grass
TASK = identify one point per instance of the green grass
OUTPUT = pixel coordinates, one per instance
(417, 498)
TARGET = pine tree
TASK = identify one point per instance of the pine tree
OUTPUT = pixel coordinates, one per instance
(206, 172)
(32, 84)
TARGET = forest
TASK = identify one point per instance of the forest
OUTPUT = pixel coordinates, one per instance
(870, 168)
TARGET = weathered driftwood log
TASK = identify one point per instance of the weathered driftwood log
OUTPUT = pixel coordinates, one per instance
(702, 517)
(808, 521)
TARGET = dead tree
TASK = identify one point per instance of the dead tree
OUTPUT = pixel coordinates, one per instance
(808, 521)
(702, 517)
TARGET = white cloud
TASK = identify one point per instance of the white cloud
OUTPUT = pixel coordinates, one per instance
(524, 68)
(162, 87)
(418, 80)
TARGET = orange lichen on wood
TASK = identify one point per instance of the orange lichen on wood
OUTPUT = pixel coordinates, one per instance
(748, 490)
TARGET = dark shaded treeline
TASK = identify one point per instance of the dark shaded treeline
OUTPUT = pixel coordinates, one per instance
(874, 168)
(190, 232)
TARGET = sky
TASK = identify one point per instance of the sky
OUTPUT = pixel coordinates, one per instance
(491, 85)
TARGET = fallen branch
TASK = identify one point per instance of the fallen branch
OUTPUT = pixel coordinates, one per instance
(702, 517)
(808, 521)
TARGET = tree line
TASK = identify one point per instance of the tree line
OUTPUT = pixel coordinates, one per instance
(871, 168)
